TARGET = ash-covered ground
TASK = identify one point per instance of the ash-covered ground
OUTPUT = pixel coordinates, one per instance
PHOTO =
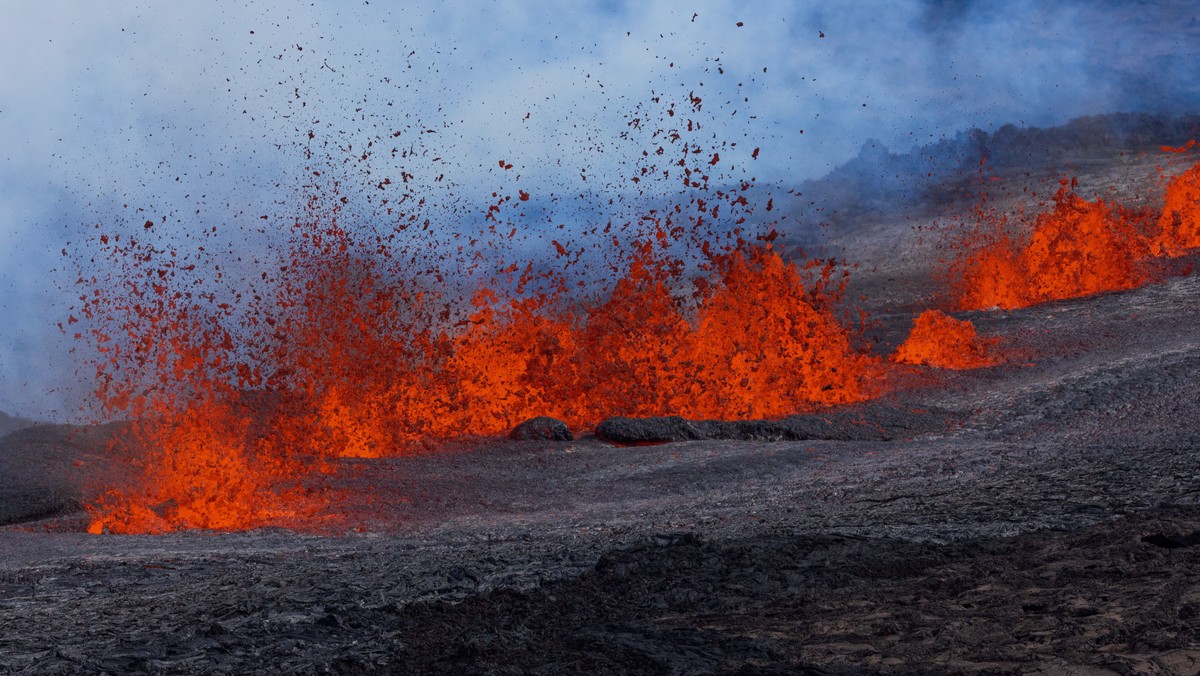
(1042, 516)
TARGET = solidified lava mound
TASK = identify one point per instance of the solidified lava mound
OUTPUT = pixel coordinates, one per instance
(869, 422)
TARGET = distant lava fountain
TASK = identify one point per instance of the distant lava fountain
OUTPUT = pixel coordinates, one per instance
(1179, 224)
(1078, 249)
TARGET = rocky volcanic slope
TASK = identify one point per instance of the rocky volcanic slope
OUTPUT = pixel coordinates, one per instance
(1049, 522)
(9, 423)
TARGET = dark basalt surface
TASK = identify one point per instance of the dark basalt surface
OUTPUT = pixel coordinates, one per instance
(541, 428)
(866, 422)
(1037, 517)
(43, 470)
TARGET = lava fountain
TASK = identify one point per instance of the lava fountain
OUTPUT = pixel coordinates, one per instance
(1179, 224)
(1079, 248)
(942, 341)
(350, 364)
(243, 390)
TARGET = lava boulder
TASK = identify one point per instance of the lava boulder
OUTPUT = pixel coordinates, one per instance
(541, 428)
(870, 422)
(623, 430)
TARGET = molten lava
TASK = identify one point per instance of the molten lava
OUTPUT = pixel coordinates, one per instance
(203, 470)
(940, 340)
(760, 340)
(1179, 225)
(1078, 249)
(244, 385)
(340, 357)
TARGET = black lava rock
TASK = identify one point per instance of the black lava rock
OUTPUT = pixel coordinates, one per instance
(861, 423)
(541, 428)
(622, 430)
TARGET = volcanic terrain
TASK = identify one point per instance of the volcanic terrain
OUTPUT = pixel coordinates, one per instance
(1038, 516)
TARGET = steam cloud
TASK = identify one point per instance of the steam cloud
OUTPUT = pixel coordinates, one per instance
(194, 115)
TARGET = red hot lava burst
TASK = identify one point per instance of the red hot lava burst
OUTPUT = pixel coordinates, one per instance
(1079, 248)
(243, 390)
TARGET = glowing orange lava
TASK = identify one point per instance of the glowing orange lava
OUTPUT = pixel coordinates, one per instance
(1179, 225)
(202, 470)
(940, 340)
(243, 385)
(341, 358)
(1078, 249)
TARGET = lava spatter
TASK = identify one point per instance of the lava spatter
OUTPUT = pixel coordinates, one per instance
(942, 341)
(1079, 248)
(1179, 224)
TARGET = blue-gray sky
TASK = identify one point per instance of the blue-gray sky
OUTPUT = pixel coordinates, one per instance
(197, 109)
